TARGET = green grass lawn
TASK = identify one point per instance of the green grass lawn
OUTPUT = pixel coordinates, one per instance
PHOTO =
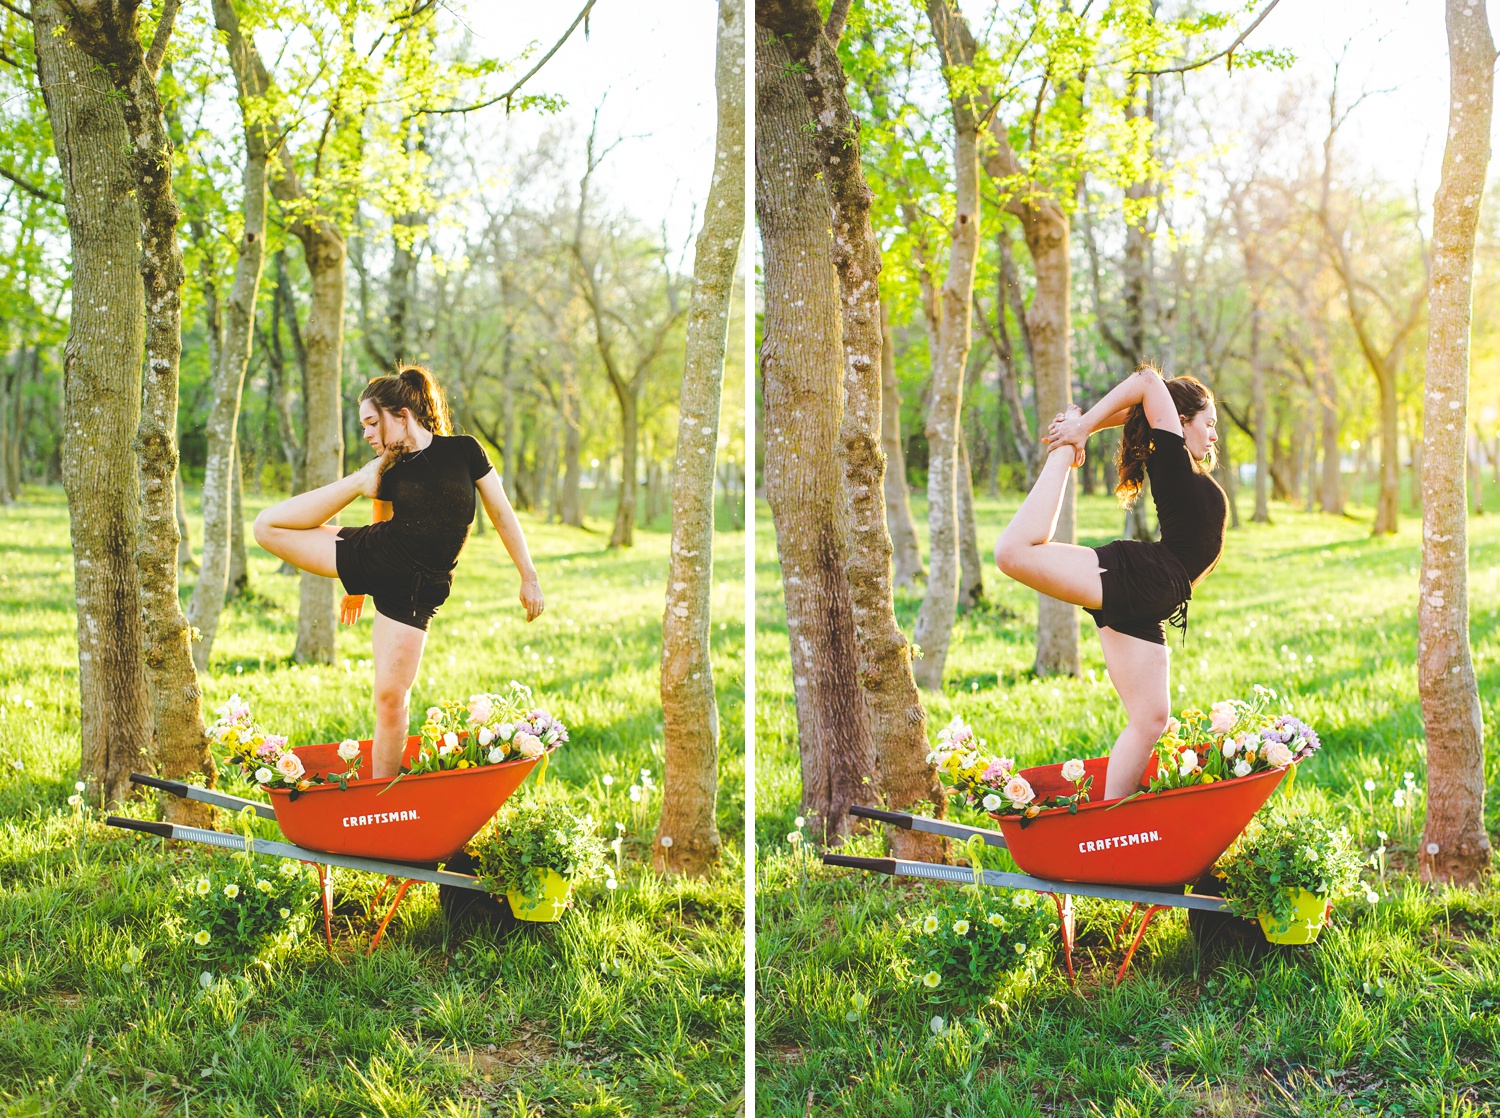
(632, 1005)
(1395, 1011)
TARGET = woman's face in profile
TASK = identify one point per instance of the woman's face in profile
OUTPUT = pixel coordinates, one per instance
(1201, 432)
(379, 427)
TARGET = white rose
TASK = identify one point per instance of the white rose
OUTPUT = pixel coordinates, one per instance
(289, 766)
(1188, 762)
(497, 755)
(1072, 771)
(263, 775)
(1242, 767)
(1278, 754)
(486, 735)
(348, 749)
(992, 802)
(450, 739)
(1018, 791)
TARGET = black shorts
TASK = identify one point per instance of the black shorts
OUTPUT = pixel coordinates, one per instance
(1144, 585)
(403, 590)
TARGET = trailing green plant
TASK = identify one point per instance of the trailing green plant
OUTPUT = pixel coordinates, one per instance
(1284, 851)
(537, 831)
(974, 935)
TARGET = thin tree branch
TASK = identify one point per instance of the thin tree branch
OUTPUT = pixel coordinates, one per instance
(1229, 50)
(159, 39)
(582, 17)
(31, 188)
(838, 15)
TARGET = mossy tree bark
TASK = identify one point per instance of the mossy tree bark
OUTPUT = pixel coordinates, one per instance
(101, 405)
(793, 32)
(1455, 845)
(802, 385)
(690, 714)
(108, 31)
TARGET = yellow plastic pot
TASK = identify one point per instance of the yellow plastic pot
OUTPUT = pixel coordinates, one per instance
(1309, 913)
(556, 889)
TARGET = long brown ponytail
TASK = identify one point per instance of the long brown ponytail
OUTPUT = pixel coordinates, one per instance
(411, 386)
(1190, 396)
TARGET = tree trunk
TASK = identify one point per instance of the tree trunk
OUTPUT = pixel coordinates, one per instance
(239, 564)
(1262, 514)
(1008, 294)
(690, 717)
(185, 560)
(102, 405)
(905, 779)
(624, 530)
(1333, 494)
(111, 36)
(572, 505)
(971, 576)
(906, 555)
(1388, 504)
(801, 365)
(934, 627)
(1231, 483)
(229, 373)
(1455, 845)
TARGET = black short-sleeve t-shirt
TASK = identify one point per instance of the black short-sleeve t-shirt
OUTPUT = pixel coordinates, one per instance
(431, 492)
(1190, 506)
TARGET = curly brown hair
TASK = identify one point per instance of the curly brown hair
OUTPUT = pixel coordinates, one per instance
(1191, 396)
(414, 387)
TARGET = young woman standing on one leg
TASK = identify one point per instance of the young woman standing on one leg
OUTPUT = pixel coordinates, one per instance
(1130, 587)
(423, 485)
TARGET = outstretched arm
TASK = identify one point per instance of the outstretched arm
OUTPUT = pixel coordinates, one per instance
(508, 528)
(1144, 387)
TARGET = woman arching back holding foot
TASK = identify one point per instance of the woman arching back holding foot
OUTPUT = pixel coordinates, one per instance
(1130, 587)
(422, 483)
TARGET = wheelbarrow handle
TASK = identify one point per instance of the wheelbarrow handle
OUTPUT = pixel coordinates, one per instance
(151, 827)
(927, 825)
(848, 861)
(204, 795)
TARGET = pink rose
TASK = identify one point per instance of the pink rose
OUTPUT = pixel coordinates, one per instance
(1222, 717)
(1278, 755)
(1019, 791)
(289, 765)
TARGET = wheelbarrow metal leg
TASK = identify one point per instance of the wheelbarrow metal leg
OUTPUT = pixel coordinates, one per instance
(395, 904)
(390, 879)
(1120, 934)
(1064, 904)
(325, 893)
(1139, 935)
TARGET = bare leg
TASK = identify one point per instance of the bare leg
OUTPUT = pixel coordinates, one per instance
(1027, 554)
(297, 531)
(1138, 670)
(398, 655)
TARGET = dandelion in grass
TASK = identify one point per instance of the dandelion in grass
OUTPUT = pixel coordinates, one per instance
(800, 822)
(666, 841)
(201, 937)
(75, 799)
(79, 786)
(635, 793)
(794, 838)
(931, 979)
(930, 925)
(1372, 896)
(607, 779)
(1369, 785)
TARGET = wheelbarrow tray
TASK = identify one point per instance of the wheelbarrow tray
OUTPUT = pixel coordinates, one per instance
(1156, 840)
(424, 818)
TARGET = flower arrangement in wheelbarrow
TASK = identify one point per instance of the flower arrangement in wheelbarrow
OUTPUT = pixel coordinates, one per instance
(1235, 739)
(994, 783)
(266, 758)
(486, 730)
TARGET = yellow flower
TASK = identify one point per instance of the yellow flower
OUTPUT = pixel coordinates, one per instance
(961, 927)
(231, 890)
(931, 979)
(930, 925)
(285, 913)
(996, 920)
(201, 938)
(263, 885)
(202, 887)
(463, 764)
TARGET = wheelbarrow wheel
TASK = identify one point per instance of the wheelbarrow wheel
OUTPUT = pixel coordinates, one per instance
(465, 907)
(1219, 933)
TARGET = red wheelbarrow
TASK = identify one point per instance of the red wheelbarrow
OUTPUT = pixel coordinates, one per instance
(400, 827)
(1145, 850)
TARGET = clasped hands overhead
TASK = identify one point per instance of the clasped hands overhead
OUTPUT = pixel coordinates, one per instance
(1068, 428)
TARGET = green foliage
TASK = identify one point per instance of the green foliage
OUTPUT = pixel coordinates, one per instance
(1283, 851)
(971, 937)
(243, 909)
(535, 832)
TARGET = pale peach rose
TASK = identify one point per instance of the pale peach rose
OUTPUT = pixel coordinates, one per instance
(1018, 790)
(289, 766)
